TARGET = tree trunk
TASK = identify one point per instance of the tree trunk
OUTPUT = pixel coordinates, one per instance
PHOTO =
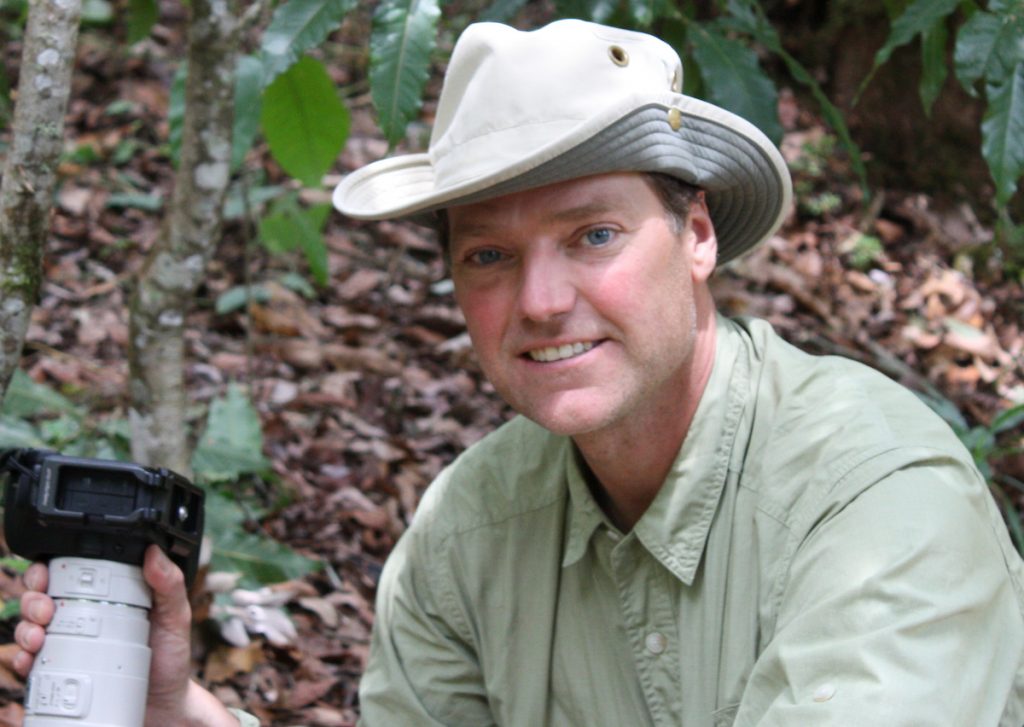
(176, 265)
(26, 192)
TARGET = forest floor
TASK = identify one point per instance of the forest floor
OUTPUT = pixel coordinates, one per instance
(369, 387)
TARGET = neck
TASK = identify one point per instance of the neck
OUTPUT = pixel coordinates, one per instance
(629, 464)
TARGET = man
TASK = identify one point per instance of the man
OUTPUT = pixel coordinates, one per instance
(692, 523)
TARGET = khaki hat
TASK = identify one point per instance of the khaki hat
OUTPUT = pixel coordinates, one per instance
(521, 110)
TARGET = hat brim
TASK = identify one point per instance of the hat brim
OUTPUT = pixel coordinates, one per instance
(744, 176)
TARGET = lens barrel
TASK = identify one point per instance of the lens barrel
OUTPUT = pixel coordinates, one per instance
(93, 669)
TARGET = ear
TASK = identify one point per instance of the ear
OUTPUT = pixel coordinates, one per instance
(705, 245)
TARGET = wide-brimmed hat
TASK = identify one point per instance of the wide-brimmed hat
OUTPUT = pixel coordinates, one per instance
(521, 110)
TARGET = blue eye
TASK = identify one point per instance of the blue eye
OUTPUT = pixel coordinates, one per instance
(485, 257)
(598, 237)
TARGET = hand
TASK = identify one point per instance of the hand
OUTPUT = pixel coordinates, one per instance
(173, 699)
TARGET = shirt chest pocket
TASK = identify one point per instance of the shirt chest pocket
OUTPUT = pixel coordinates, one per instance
(724, 717)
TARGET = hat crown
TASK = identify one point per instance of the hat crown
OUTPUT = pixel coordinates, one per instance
(509, 92)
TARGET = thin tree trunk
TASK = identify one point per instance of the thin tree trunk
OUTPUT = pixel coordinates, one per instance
(26, 192)
(177, 263)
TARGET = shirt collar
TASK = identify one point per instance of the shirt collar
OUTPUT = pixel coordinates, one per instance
(675, 527)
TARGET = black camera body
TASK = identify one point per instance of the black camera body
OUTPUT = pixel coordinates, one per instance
(57, 506)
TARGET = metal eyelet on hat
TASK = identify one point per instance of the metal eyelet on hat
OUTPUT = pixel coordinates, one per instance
(619, 55)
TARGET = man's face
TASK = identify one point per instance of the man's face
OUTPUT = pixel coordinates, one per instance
(580, 298)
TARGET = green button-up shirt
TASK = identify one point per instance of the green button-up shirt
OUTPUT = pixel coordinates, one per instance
(823, 552)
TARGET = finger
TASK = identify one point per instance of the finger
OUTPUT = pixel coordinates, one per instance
(29, 636)
(37, 577)
(37, 607)
(22, 663)
(171, 609)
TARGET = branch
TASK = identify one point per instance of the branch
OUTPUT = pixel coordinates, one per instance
(26, 191)
(177, 263)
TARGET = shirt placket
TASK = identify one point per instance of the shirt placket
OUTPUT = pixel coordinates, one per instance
(650, 622)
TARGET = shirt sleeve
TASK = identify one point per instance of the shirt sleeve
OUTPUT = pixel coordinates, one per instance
(901, 609)
(422, 670)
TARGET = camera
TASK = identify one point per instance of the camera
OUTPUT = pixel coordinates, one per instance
(92, 520)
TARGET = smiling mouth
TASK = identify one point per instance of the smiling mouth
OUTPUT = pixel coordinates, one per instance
(560, 353)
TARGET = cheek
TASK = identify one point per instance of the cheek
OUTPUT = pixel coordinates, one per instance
(485, 316)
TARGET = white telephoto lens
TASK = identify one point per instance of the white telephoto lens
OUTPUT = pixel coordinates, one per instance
(93, 669)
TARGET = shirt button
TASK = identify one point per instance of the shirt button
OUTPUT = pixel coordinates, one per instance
(655, 642)
(824, 693)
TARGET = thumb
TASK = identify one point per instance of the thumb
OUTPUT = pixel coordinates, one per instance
(170, 622)
(170, 601)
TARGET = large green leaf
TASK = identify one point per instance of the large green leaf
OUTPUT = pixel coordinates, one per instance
(26, 398)
(15, 434)
(734, 80)
(1002, 134)
(933, 65)
(142, 14)
(248, 89)
(1009, 419)
(298, 26)
(988, 46)
(304, 122)
(232, 444)
(401, 41)
(259, 559)
(919, 17)
(747, 16)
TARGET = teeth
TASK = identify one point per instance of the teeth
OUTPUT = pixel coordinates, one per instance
(557, 353)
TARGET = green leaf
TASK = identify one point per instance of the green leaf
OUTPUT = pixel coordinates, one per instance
(239, 296)
(1007, 420)
(232, 444)
(142, 15)
(501, 11)
(401, 41)
(644, 12)
(147, 202)
(734, 80)
(933, 65)
(248, 89)
(294, 281)
(25, 398)
(304, 122)
(234, 205)
(1002, 134)
(258, 558)
(15, 433)
(97, 12)
(918, 18)
(989, 46)
(747, 16)
(296, 27)
(176, 110)
(599, 11)
(289, 226)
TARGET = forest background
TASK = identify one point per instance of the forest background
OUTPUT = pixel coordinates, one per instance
(196, 303)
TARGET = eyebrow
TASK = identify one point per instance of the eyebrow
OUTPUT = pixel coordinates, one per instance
(483, 228)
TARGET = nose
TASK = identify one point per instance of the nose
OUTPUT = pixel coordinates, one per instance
(547, 289)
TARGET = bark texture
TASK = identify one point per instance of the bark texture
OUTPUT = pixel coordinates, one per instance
(177, 263)
(29, 174)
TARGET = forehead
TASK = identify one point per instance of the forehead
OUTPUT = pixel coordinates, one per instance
(627, 193)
